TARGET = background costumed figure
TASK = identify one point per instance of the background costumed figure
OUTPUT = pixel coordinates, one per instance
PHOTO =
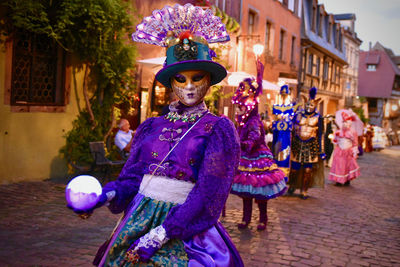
(258, 176)
(307, 147)
(344, 164)
(282, 128)
(181, 165)
(369, 134)
(328, 138)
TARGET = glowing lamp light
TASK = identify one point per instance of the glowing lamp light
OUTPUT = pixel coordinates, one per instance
(83, 192)
(258, 49)
(395, 107)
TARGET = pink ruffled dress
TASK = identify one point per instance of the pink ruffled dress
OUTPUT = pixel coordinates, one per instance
(344, 165)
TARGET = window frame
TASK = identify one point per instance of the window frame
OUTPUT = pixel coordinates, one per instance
(310, 62)
(317, 66)
(371, 67)
(325, 74)
(251, 27)
(282, 38)
(292, 50)
(268, 35)
(63, 83)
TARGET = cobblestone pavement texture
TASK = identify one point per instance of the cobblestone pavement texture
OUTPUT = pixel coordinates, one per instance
(357, 225)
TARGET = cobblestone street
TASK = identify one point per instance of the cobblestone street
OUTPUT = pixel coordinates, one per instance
(357, 225)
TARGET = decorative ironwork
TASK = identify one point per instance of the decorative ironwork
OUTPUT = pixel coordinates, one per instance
(35, 77)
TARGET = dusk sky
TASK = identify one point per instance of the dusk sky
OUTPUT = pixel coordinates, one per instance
(376, 20)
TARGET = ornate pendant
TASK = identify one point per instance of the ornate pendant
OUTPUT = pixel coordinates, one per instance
(174, 116)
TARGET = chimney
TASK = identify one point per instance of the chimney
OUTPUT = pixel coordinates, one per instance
(370, 46)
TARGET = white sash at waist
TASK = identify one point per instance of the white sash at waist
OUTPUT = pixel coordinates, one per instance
(165, 189)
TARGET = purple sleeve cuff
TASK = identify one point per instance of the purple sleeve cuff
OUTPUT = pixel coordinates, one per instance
(253, 135)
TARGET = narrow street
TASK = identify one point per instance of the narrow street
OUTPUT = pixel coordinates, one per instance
(357, 225)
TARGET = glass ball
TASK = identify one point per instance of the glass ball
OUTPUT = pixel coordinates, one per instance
(83, 192)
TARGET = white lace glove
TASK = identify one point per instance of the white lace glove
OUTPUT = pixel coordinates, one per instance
(145, 247)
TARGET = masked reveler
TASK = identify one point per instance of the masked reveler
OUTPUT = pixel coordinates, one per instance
(307, 148)
(282, 127)
(344, 164)
(181, 165)
(258, 176)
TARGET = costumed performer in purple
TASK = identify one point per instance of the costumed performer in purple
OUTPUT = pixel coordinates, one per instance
(258, 176)
(344, 164)
(307, 169)
(181, 165)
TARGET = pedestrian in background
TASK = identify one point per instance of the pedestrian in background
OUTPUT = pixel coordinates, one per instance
(123, 138)
(328, 142)
(369, 134)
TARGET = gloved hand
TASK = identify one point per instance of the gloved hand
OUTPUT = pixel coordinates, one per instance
(145, 247)
(355, 152)
(105, 197)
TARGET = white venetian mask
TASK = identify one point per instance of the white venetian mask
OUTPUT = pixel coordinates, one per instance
(191, 86)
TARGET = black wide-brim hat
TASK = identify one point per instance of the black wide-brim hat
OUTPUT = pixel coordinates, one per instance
(216, 70)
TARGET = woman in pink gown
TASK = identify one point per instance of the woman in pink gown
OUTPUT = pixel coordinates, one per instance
(344, 165)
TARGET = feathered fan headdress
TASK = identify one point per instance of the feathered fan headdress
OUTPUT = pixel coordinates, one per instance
(247, 94)
(185, 31)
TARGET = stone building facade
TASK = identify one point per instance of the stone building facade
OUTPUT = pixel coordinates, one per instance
(352, 47)
(322, 56)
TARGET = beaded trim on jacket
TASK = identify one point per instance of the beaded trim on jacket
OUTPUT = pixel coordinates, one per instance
(188, 114)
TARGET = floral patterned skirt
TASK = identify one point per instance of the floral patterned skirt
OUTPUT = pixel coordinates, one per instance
(213, 247)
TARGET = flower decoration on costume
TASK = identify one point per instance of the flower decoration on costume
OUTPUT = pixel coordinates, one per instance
(347, 117)
(187, 49)
(247, 94)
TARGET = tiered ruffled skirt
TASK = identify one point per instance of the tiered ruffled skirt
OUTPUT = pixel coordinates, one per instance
(259, 176)
(344, 166)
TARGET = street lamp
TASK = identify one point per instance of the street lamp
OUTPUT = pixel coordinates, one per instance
(258, 49)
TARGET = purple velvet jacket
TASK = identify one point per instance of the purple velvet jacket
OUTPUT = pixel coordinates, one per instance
(207, 156)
